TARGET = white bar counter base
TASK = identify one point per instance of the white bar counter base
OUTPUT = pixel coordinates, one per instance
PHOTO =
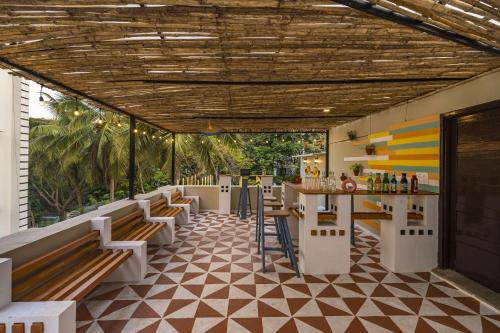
(224, 194)
(409, 246)
(324, 248)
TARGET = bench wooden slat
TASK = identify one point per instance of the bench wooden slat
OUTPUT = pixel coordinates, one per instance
(2, 328)
(124, 229)
(371, 216)
(36, 328)
(24, 285)
(39, 262)
(415, 216)
(127, 218)
(172, 212)
(137, 231)
(51, 286)
(18, 328)
(147, 234)
(84, 277)
(102, 274)
(158, 203)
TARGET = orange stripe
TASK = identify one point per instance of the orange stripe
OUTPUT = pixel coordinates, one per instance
(375, 225)
(360, 142)
(419, 121)
(427, 131)
(380, 167)
(414, 157)
(371, 205)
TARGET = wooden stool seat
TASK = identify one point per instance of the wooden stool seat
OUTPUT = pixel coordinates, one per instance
(276, 213)
(272, 204)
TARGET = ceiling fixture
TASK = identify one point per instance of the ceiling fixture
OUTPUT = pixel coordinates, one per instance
(211, 130)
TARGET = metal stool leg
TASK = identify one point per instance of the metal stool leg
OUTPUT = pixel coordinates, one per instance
(263, 245)
(289, 245)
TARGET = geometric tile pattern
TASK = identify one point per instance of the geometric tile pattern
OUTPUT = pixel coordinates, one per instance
(210, 280)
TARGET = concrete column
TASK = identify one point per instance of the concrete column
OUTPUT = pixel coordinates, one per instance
(14, 131)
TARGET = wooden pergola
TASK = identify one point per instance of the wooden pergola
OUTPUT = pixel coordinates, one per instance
(249, 65)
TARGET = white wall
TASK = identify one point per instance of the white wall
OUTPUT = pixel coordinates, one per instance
(481, 89)
(14, 130)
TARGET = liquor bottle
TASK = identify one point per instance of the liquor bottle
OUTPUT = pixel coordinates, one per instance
(385, 183)
(394, 184)
(369, 184)
(404, 184)
(378, 183)
(414, 184)
(343, 177)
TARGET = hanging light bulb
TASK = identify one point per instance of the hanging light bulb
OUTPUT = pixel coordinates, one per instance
(41, 101)
(136, 130)
(76, 113)
(119, 124)
(100, 121)
(154, 137)
(143, 132)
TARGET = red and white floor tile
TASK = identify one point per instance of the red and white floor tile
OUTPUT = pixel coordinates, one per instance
(210, 280)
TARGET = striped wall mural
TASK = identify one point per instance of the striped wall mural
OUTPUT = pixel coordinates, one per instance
(411, 147)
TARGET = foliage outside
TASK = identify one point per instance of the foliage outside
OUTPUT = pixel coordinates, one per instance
(79, 160)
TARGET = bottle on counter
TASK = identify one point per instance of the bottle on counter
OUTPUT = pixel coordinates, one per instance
(394, 184)
(414, 184)
(378, 183)
(343, 177)
(385, 183)
(369, 184)
(404, 183)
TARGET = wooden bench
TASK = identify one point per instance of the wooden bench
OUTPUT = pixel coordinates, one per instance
(132, 227)
(177, 198)
(161, 208)
(67, 273)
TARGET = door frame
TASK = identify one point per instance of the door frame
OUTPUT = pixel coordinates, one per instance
(446, 237)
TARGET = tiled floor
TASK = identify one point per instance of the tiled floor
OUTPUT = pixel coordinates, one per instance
(209, 281)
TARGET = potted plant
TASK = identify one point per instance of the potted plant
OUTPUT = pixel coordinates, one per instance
(370, 149)
(357, 168)
(352, 135)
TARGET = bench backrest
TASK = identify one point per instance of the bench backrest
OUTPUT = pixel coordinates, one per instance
(158, 206)
(123, 224)
(38, 270)
(176, 196)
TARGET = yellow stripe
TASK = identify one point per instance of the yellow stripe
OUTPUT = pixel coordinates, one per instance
(427, 163)
(419, 121)
(423, 138)
(417, 151)
(378, 135)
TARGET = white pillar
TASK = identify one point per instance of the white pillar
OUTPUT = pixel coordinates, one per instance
(224, 194)
(14, 131)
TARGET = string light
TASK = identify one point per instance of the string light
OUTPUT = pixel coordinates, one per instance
(143, 132)
(136, 130)
(119, 123)
(41, 101)
(76, 113)
(100, 121)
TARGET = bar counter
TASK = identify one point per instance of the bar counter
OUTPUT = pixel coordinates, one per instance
(408, 229)
(301, 188)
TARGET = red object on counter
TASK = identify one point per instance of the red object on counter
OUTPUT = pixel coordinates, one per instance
(414, 184)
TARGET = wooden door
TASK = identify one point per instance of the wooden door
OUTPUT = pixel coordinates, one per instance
(473, 191)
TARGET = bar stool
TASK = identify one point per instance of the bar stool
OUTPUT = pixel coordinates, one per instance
(280, 216)
(260, 205)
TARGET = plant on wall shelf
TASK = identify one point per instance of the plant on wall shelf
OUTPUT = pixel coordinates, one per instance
(370, 149)
(357, 168)
(352, 135)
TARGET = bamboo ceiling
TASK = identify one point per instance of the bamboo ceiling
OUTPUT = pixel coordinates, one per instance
(247, 65)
